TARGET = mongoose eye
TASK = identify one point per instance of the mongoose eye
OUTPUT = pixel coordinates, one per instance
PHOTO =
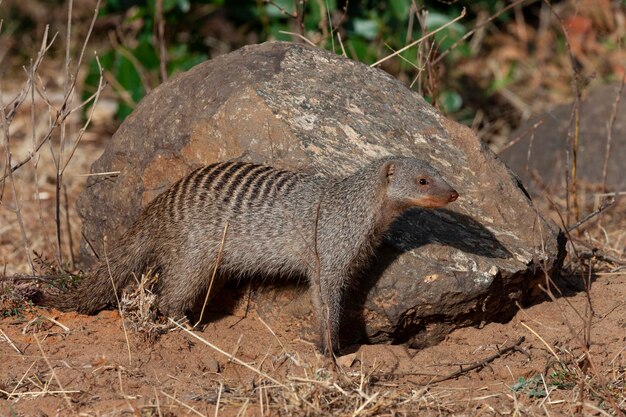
(423, 181)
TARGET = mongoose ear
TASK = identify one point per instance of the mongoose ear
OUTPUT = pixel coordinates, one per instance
(389, 170)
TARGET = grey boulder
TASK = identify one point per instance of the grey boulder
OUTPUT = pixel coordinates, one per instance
(298, 107)
(541, 150)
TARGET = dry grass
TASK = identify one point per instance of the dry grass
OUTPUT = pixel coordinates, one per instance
(139, 309)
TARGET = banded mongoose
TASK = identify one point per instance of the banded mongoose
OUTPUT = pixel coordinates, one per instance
(277, 222)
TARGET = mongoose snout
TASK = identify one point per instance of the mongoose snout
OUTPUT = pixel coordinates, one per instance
(262, 221)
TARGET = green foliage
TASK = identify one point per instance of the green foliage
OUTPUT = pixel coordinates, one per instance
(67, 280)
(451, 101)
(13, 312)
(502, 82)
(533, 387)
(369, 31)
(447, 36)
(562, 379)
(16, 310)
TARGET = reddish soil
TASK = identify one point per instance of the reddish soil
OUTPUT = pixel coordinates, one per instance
(86, 365)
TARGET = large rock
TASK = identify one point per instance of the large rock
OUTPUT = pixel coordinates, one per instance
(545, 154)
(299, 107)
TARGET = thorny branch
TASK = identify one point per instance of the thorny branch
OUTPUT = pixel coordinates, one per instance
(609, 132)
(64, 112)
(16, 202)
(605, 206)
(573, 133)
(482, 364)
(515, 346)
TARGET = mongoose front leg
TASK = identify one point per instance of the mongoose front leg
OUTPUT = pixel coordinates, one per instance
(327, 302)
(318, 307)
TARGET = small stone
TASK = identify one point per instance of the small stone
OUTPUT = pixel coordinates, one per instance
(210, 365)
(346, 361)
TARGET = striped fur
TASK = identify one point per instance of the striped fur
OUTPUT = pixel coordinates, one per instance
(278, 223)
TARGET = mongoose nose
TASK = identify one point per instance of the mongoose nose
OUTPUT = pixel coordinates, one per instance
(453, 196)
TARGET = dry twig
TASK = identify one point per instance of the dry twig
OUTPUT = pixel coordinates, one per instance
(515, 346)
(399, 51)
(609, 132)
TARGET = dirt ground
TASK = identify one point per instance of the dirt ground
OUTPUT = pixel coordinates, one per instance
(63, 364)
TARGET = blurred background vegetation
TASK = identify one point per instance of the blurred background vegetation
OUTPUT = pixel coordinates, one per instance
(491, 70)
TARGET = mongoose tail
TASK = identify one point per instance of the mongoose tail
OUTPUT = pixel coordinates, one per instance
(356, 213)
(115, 269)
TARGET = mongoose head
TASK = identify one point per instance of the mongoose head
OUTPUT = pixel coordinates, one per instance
(412, 182)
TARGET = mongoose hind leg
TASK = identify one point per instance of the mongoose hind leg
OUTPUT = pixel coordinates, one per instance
(182, 284)
(170, 304)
